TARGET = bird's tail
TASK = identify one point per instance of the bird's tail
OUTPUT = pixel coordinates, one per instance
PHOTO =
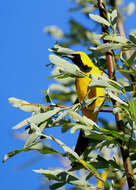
(82, 144)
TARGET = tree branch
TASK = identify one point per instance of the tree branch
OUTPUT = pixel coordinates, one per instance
(120, 25)
(111, 73)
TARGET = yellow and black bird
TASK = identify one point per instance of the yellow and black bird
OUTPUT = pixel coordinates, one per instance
(83, 90)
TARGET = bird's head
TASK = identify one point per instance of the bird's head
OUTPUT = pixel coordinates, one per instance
(82, 60)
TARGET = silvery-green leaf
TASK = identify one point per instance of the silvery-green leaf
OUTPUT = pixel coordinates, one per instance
(99, 19)
(116, 38)
(21, 124)
(70, 151)
(132, 108)
(14, 152)
(82, 119)
(31, 138)
(61, 116)
(89, 102)
(114, 19)
(17, 102)
(51, 174)
(85, 128)
(93, 37)
(99, 83)
(61, 50)
(43, 149)
(123, 81)
(67, 67)
(63, 177)
(117, 110)
(75, 116)
(113, 96)
(54, 31)
(132, 57)
(35, 128)
(82, 183)
(65, 148)
(90, 122)
(59, 87)
(47, 96)
(37, 118)
(132, 37)
(108, 46)
(88, 9)
(130, 8)
(35, 134)
(23, 105)
(105, 78)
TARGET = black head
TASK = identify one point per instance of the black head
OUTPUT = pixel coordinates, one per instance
(76, 59)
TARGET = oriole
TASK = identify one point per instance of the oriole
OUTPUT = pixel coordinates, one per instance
(83, 90)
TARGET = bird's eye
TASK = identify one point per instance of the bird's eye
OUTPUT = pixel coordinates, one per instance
(86, 68)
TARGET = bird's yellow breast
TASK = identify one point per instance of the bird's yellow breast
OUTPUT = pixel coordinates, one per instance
(84, 90)
(82, 87)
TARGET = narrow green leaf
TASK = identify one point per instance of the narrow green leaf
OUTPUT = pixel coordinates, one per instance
(57, 185)
(66, 67)
(61, 116)
(82, 119)
(61, 50)
(116, 38)
(107, 46)
(132, 108)
(23, 105)
(81, 127)
(14, 152)
(66, 126)
(32, 137)
(132, 37)
(36, 132)
(113, 96)
(59, 87)
(56, 174)
(117, 110)
(99, 19)
(63, 177)
(75, 116)
(65, 148)
(55, 76)
(90, 166)
(113, 19)
(99, 136)
(43, 149)
(47, 96)
(107, 185)
(55, 31)
(37, 118)
(111, 82)
(50, 174)
(113, 133)
(131, 58)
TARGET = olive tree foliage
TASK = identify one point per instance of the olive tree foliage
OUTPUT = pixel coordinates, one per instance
(110, 159)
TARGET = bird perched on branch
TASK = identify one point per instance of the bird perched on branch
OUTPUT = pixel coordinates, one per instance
(83, 90)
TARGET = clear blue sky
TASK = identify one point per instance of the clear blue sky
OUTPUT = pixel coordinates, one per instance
(23, 55)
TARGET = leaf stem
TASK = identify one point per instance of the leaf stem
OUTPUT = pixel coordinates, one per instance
(54, 105)
(91, 171)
